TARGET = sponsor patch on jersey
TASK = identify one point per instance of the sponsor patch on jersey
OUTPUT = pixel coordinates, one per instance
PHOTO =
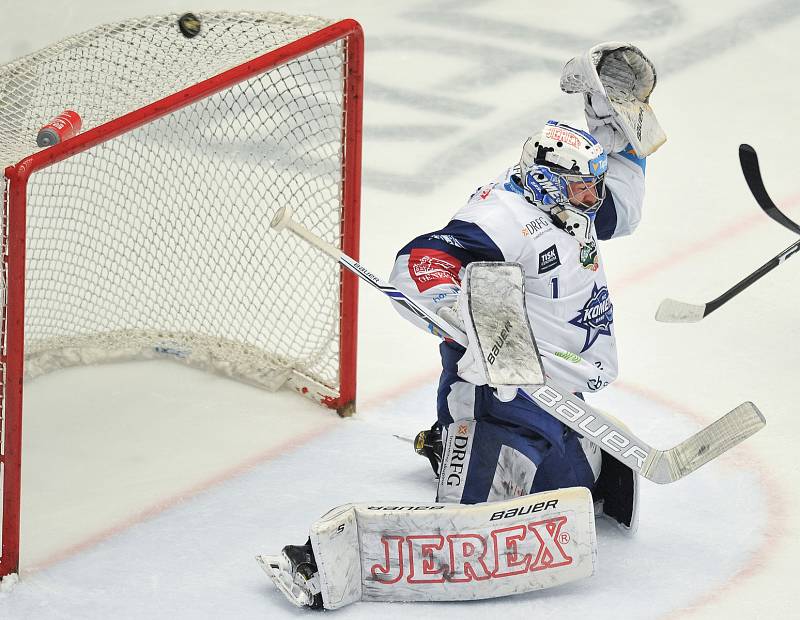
(569, 356)
(483, 191)
(535, 226)
(588, 256)
(596, 316)
(549, 260)
(596, 384)
(456, 454)
(429, 268)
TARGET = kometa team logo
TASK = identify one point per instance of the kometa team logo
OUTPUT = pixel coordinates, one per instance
(596, 316)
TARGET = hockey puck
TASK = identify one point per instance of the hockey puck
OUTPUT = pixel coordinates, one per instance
(189, 25)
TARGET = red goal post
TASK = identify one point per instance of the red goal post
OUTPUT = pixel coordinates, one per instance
(147, 235)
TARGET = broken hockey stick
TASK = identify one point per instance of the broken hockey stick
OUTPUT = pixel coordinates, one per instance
(674, 311)
(661, 466)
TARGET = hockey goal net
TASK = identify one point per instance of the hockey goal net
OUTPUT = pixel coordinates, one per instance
(147, 235)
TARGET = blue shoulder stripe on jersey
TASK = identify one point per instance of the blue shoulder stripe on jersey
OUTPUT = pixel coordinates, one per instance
(629, 154)
(465, 241)
(605, 220)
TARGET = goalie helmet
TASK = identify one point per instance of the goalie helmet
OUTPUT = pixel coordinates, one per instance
(563, 170)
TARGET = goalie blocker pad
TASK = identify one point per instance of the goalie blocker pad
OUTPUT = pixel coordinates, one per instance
(498, 325)
(450, 552)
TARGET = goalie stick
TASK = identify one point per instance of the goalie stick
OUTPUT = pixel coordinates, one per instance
(660, 466)
(674, 311)
(752, 174)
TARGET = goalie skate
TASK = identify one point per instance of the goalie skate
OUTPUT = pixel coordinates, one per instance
(295, 574)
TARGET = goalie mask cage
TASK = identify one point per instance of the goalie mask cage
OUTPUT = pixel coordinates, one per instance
(147, 235)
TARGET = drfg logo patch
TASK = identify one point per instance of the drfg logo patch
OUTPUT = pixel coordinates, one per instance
(458, 452)
(596, 316)
(455, 461)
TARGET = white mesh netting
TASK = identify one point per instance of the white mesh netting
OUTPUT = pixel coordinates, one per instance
(158, 242)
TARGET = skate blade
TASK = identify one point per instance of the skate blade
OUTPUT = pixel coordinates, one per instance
(276, 569)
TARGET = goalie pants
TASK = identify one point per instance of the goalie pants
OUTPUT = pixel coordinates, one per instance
(495, 450)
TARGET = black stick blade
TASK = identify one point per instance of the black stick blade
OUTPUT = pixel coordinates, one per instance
(752, 174)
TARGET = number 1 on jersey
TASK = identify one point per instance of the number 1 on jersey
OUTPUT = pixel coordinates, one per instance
(554, 287)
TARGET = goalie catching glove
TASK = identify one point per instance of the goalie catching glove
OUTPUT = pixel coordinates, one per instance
(617, 80)
(491, 310)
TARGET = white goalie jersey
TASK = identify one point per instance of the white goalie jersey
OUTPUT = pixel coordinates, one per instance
(567, 294)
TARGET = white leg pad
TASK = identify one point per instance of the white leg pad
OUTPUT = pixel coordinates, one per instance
(448, 552)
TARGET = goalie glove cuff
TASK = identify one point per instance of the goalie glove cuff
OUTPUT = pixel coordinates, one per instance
(600, 121)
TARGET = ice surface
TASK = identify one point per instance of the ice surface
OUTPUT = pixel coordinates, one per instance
(149, 488)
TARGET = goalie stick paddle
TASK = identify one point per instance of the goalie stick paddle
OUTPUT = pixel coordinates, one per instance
(661, 466)
(674, 311)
